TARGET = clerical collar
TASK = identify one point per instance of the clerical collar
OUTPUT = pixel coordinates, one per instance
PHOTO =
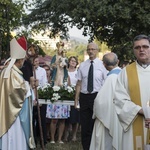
(144, 65)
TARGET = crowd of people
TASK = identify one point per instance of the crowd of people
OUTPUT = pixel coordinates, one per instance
(111, 103)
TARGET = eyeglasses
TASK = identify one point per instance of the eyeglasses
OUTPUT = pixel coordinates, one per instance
(145, 47)
(92, 49)
(73, 60)
(47, 69)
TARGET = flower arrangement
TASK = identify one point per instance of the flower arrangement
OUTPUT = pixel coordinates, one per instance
(56, 93)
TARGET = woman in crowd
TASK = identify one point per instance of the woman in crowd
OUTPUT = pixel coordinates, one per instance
(73, 121)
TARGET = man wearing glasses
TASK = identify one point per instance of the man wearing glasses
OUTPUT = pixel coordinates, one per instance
(132, 97)
(91, 75)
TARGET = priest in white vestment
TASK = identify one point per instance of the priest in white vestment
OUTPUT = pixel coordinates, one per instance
(107, 132)
(133, 95)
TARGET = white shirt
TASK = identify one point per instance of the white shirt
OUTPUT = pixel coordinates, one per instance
(73, 77)
(99, 74)
(41, 76)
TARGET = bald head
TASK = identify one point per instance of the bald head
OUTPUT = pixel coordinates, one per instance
(110, 60)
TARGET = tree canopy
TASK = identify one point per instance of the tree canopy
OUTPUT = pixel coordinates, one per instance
(11, 14)
(115, 22)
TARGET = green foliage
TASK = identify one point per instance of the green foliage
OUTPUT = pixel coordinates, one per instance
(56, 93)
(11, 14)
(67, 146)
(114, 22)
(77, 49)
(65, 94)
(41, 52)
(45, 93)
(31, 41)
(4, 48)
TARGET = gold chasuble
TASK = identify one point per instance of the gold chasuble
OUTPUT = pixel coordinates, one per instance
(12, 96)
(134, 90)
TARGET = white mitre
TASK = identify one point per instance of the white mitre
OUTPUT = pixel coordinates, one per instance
(17, 51)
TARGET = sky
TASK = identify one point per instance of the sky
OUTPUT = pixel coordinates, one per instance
(75, 32)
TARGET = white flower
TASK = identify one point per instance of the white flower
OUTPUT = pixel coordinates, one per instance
(69, 88)
(55, 96)
(56, 88)
(39, 88)
(54, 99)
(73, 86)
(46, 86)
(56, 92)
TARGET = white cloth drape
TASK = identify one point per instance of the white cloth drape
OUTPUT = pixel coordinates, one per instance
(14, 139)
(125, 108)
(107, 132)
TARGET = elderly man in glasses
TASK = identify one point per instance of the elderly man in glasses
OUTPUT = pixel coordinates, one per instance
(132, 97)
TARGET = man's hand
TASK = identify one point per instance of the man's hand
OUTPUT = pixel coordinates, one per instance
(34, 82)
(54, 65)
(78, 89)
(34, 102)
(147, 123)
(141, 112)
(76, 105)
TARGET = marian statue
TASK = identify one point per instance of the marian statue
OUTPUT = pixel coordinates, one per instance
(59, 64)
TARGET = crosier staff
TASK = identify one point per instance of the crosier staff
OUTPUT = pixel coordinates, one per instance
(32, 53)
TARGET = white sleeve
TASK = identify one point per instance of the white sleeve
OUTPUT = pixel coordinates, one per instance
(126, 109)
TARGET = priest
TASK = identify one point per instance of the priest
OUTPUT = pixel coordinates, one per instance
(107, 132)
(132, 97)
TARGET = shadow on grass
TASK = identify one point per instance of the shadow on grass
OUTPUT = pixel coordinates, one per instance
(66, 146)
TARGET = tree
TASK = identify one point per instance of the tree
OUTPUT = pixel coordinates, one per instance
(11, 14)
(77, 49)
(115, 22)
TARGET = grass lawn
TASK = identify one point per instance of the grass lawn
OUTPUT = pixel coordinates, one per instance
(66, 146)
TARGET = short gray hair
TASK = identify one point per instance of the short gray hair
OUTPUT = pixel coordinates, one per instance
(95, 45)
(140, 37)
